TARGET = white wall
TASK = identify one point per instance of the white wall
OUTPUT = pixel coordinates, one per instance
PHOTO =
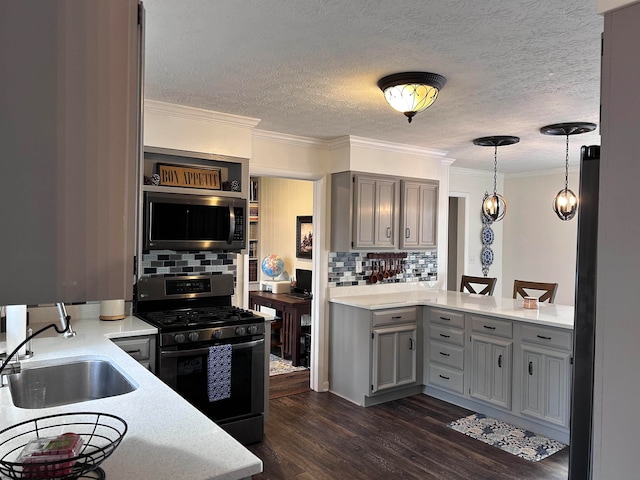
(281, 201)
(537, 245)
(475, 183)
(531, 242)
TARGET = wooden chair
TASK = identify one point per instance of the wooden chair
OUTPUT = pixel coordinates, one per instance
(548, 290)
(489, 284)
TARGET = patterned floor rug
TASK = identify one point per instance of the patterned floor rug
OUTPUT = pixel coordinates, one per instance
(514, 440)
(278, 366)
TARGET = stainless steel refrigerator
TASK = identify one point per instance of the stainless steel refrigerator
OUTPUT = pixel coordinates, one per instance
(585, 316)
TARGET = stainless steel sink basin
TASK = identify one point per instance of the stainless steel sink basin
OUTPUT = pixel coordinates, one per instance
(68, 382)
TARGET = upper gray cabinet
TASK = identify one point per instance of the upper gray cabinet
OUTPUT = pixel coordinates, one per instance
(375, 205)
(70, 96)
(419, 205)
(367, 212)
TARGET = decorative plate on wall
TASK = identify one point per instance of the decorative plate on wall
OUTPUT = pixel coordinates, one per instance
(487, 256)
(487, 235)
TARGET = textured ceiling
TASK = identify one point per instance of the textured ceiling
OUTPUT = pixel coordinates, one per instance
(310, 67)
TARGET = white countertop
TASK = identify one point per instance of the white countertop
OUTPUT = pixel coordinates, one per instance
(167, 438)
(548, 314)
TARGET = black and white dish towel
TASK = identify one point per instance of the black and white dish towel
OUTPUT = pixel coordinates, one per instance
(219, 372)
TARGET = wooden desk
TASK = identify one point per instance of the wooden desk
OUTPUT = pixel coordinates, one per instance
(291, 311)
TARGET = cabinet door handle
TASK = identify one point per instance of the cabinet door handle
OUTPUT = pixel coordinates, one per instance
(388, 232)
(411, 344)
(543, 337)
(442, 376)
(445, 354)
(530, 368)
(499, 361)
(446, 319)
(397, 317)
(445, 336)
(489, 327)
(407, 232)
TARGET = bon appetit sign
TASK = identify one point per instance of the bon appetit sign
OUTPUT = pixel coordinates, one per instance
(193, 177)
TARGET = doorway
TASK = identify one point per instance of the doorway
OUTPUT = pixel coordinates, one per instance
(282, 204)
(458, 226)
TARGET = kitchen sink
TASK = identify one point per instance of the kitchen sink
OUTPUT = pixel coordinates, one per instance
(68, 382)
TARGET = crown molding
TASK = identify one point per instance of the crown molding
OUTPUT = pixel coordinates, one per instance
(200, 114)
(395, 147)
(540, 173)
(473, 173)
(290, 139)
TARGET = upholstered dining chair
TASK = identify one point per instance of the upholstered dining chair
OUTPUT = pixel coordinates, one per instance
(545, 291)
(467, 283)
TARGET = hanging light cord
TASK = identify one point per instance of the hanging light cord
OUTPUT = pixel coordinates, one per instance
(495, 168)
(566, 167)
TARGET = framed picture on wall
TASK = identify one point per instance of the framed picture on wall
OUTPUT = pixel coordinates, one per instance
(304, 236)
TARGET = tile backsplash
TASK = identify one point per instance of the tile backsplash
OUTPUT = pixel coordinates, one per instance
(168, 262)
(345, 269)
(354, 268)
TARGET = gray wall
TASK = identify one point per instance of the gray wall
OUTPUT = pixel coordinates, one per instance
(617, 376)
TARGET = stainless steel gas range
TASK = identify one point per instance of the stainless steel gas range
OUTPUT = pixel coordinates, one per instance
(210, 352)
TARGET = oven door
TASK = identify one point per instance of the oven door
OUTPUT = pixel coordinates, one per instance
(184, 368)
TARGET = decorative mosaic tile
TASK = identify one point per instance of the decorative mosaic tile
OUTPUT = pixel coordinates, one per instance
(170, 263)
(354, 268)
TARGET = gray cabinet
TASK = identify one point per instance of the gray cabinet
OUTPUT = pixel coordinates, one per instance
(375, 205)
(445, 338)
(491, 360)
(546, 364)
(374, 356)
(419, 205)
(367, 212)
(394, 356)
(491, 370)
(71, 94)
(142, 348)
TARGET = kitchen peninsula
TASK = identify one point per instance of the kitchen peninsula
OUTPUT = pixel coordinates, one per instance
(488, 354)
(166, 437)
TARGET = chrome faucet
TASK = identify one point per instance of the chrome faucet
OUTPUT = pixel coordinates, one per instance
(8, 367)
(65, 322)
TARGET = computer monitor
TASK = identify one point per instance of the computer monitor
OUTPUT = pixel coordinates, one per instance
(303, 281)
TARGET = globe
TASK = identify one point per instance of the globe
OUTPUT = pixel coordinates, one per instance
(272, 266)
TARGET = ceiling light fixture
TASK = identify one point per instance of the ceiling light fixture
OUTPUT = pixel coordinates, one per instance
(494, 207)
(565, 204)
(411, 92)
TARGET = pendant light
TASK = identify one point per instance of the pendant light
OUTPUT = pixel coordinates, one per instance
(411, 92)
(494, 207)
(565, 204)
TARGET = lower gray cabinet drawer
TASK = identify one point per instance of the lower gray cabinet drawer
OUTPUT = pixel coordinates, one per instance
(546, 336)
(454, 336)
(397, 315)
(447, 317)
(138, 348)
(491, 326)
(448, 355)
(446, 378)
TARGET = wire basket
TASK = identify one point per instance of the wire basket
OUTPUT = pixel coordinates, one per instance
(101, 434)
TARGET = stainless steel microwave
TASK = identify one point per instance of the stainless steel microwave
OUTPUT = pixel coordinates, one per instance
(185, 222)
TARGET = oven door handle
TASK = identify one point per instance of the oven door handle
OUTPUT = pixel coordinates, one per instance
(199, 351)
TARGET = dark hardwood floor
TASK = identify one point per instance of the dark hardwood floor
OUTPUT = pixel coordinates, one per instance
(311, 435)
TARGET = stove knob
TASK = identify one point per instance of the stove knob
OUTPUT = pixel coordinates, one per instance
(240, 331)
(252, 329)
(179, 337)
(193, 336)
(217, 334)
